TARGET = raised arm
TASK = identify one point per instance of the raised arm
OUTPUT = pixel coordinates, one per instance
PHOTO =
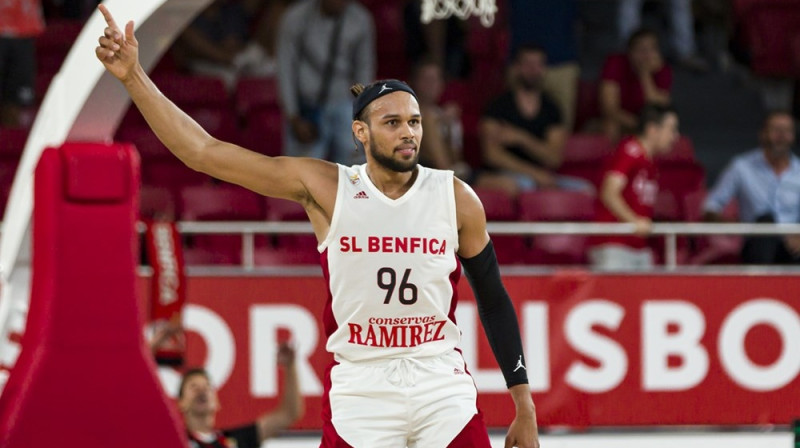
(290, 408)
(496, 312)
(289, 178)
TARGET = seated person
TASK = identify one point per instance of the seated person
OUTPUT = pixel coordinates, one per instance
(629, 190)
(442, 148)
(765, 182)
(522, 133)
(629, 81)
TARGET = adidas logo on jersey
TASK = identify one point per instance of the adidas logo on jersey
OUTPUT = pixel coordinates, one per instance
(361, 195)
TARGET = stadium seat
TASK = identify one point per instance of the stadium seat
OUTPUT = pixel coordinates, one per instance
(157, 203)
(286, 249)
(219, 122)
(85, 373)
(499, 206)
(193, 91)
(255, 93)
(683, 151)
(587, 148)
(171, 174)
(557, 206)
(220, 203)
(12, 142)
(147, 143)
(263, 132)
(217, 203)
(588, 103)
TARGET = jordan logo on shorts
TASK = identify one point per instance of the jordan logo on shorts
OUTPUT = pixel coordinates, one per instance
(519, 364)
(361, 195)
(383, 87)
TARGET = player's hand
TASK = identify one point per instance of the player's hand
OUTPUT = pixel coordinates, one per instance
(118, 50)
(523, 432)
(792, 243)
(643, 226)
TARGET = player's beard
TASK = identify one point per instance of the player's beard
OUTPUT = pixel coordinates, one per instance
(389, 162)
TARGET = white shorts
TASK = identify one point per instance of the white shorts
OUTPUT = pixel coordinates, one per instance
(397, 403)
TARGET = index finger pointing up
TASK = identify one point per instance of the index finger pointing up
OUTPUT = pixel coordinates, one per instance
(109, 18)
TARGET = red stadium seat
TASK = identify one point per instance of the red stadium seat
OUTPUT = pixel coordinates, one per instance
(499, 206)
(683, 151)
(588, 103)
(146, 141)
(193, 91)
(587, 148)
(714, 249)
(12, 142)
(219, 122)
(286, 249)
(217, 203)
(263, 132)
(557, 205)
(220, 203)
(157, 203)
(83, 350)
(171, 174)
(255, 93)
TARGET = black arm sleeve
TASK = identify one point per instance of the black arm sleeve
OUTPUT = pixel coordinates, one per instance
(245, 436)
(497, 314)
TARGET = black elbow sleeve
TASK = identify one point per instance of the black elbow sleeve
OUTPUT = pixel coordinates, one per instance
(497, 314)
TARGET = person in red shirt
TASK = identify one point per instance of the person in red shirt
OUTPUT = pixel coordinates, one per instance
(629, 190)
(629, 81)
(20, 22)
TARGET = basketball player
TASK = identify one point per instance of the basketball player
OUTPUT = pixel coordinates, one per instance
(393, 237)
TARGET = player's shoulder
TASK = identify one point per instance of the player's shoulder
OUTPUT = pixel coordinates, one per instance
(632, 148)
(467, 201)
(298, 10)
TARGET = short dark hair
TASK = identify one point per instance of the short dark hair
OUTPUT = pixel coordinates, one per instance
(528, 47)
(653, 114)
(195, 371)
(640, 34)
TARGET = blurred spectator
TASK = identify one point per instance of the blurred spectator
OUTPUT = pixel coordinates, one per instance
(323, 48)
(629, 190)
(442, 40)
(681, 29)
(210, 44)
(441, 126)
(258, 57)
(197, 400)
(522, 133)
(20, 22)
(551, 24)
(765, 182)
(629, 81)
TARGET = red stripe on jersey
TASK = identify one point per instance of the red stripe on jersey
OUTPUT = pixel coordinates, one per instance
(328, 320)
(454, 277)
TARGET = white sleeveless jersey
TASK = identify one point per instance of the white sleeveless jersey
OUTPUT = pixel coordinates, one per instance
(391, 268)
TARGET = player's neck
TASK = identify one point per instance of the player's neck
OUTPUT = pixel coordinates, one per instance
(199, 422)
(392, 184)
(646, 145)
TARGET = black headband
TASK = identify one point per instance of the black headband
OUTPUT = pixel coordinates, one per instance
(377, 90)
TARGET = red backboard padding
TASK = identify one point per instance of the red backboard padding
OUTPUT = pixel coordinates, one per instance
(84, 376)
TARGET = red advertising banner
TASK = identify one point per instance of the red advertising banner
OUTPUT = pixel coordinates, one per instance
(601, 350)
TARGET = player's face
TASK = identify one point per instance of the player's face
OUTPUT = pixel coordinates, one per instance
(667, 133)
(199, 397)
(394, 132)
(779, 133)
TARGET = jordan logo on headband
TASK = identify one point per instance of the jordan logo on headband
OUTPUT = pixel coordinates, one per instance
(383, 88)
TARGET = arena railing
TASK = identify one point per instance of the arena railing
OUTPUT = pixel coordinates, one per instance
(669, 231)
